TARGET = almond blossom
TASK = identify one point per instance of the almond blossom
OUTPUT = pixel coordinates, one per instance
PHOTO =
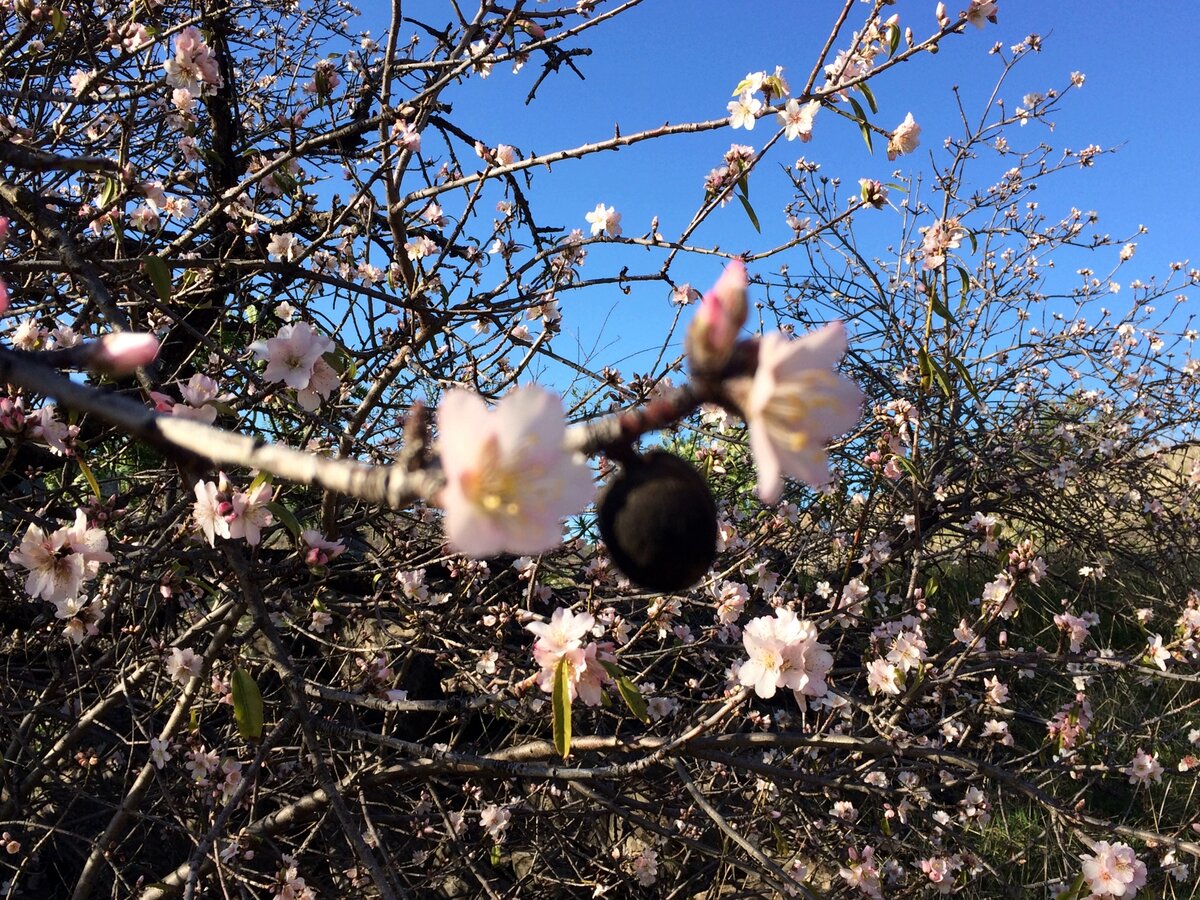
(510, 480)
(292, 355)
(1144, 768)
(604, 219)
(905, 138)
(796, 119)
(1113, 870)
(60, 562)
(714, 330)
(795, 403)
(784, 652)
(562, 638)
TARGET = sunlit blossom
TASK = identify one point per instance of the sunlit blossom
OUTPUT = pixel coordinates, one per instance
(510, 480)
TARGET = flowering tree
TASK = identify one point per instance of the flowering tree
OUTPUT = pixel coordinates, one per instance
(337, 571)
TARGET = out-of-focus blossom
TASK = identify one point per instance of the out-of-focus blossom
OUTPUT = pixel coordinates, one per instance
(510, 480)
(795, 403)
(124, 352)
(714, 330)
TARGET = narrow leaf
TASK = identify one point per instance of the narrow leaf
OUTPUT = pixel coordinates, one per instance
(160, 276)
(750, 212)
(966, 378)
(562, 707)
(862, 123)
(87, 474)
(866, 92)
(633, 699)
(285, 516)
(247, 705)
(941, 309)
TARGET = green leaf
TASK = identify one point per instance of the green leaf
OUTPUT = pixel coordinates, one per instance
(941, 309)
(862, 123)
(964, 284)
(285, 516)
(87, 474)
(160, 276)
(907, 465)
(893, 33)
(58, 20)
(494, 855)
(966, 378)
(562, 707)
(109, 192)
(633, 699)
(866, 92)
(247, 705)
(750, 212)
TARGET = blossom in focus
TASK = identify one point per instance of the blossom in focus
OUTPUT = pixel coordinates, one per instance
(564, 632)
(194, 65)
(210, 512)
(905, 138)
(494, 820)
(562, 638)
(1113, 870)
(1144, 768)
(714, 330)
(942, 235)
(60, 562)
(604, 219)
(510, 480)
(284, 246)
(743, 111)
(794, 404)
(292, 354)
(784, 652)
(183, 664)
(250, 514)
(796, 119)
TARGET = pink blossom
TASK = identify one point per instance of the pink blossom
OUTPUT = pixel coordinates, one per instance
(564, 632)
(1144, 768)
(714, 330)
(795, 403)
(59, 436)
(980, 12)
(797, 120)
(1113, 870)
(905, 138)
(124, 352)
(183, 664)
(292, 354)
(743, 111)
(210, 512)
(53, 574)
(510, 480)
(942, 235)
(320, 551)
(604, 219)
(323, 382)
(784, 652)
(250, 514)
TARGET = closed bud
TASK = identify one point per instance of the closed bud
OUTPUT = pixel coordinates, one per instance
(659, 521)
(714, 331)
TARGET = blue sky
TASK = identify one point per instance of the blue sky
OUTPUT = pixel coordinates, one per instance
(678, 60)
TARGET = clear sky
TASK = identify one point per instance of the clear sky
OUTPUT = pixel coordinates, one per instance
(678, 60)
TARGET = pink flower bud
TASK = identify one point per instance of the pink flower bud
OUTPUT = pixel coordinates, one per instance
(3, 229)
(714, 331)
(123, 352)
(3, 296)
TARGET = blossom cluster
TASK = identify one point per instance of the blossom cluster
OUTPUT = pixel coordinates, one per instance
(562, 639)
